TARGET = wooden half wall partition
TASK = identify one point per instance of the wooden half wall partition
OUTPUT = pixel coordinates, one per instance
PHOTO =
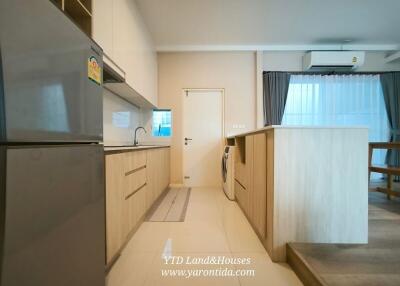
(303, 185)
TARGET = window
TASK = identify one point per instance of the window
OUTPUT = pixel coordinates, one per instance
(339, 100)
(162, 123)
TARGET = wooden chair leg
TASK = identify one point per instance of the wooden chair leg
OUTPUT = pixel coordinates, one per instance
(370, 150)
(389, 186)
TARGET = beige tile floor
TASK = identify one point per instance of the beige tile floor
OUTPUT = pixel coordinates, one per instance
(214, 226)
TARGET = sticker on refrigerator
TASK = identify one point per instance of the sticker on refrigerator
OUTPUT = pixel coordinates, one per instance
(94, 70)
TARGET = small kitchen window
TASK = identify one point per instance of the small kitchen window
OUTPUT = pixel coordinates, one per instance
(162, 123)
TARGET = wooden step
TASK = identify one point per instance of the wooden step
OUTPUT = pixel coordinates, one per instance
(303, 270)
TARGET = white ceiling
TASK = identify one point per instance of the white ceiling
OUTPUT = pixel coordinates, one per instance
(272, 24)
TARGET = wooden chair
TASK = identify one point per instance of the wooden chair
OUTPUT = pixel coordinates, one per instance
(390, 171)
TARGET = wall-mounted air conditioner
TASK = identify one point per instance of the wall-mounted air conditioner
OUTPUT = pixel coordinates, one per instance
(333, 60)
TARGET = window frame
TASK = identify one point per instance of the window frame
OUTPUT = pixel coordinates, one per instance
(152, 122)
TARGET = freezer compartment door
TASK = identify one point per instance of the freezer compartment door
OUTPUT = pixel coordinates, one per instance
(54, 231)
(50, 92)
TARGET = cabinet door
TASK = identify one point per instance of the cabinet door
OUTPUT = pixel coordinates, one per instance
(259, 190)
(152, 174)
(240, 162)
(135, 180)
(134, 51)
(157, 174)
(139, 204)
(135, 208)
(114, 204)
(240, 194)
(243, 173)
(160, 166)
(103, 25)
(249, 176)
(134, 160)
(167, 162)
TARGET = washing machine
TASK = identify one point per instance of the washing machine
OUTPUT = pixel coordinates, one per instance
(228, 171)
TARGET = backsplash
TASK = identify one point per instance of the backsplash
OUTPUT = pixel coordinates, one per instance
(120, 118)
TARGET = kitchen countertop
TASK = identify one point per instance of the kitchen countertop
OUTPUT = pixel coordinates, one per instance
(266, 128)
(119, 149)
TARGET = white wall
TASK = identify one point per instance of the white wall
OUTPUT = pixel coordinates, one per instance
(292, 61)
(232, 71)
(120, 118)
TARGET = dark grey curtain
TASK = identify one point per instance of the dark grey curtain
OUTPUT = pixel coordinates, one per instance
(276, 86)
(391, 92)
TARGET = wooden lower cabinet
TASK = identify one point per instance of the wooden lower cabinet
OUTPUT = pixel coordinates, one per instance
(153, 159)
(259, 185)
(250, 180)
(115, 200)
(243, 176)
(134, 181)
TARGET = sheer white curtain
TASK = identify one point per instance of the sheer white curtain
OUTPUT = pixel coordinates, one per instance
(339, 100)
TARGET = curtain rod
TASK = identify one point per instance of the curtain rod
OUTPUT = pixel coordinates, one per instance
(332, 73)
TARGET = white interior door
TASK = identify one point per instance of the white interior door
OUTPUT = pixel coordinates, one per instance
(202, 138)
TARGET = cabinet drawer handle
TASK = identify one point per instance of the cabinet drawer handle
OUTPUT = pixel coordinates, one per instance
(244, 188)
(135, 191)
(134, 170)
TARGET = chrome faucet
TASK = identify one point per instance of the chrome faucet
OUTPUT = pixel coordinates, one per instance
(135, 141)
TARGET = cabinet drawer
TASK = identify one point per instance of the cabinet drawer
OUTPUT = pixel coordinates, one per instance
(135, 181)
(240, 191)
(242, 196)
(134, 209)
(134, 160)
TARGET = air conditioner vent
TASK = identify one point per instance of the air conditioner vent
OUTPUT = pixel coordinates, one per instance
(333, 60)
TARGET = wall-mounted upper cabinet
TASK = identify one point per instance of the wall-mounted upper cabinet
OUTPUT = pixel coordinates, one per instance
(80, 11)
(119, 28)
(103, 25)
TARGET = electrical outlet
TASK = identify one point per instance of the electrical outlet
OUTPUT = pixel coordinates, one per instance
(239, 126)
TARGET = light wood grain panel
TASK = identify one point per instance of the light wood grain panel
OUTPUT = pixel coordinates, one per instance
(168, 166)
(134, 160)
(152, 175)
(240, 193)
(244, 174)
(270, 191)
(135, 180)
(138, 206)
(166, 170)
(134, 209)
(259, 190)
(240, 162)
(114, 203)
(320, 187)
(249, 197)
(159, 166)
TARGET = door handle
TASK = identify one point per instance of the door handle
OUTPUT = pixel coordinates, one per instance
(187, 139)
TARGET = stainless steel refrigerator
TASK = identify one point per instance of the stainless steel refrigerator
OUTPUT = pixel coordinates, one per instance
(52, 223)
